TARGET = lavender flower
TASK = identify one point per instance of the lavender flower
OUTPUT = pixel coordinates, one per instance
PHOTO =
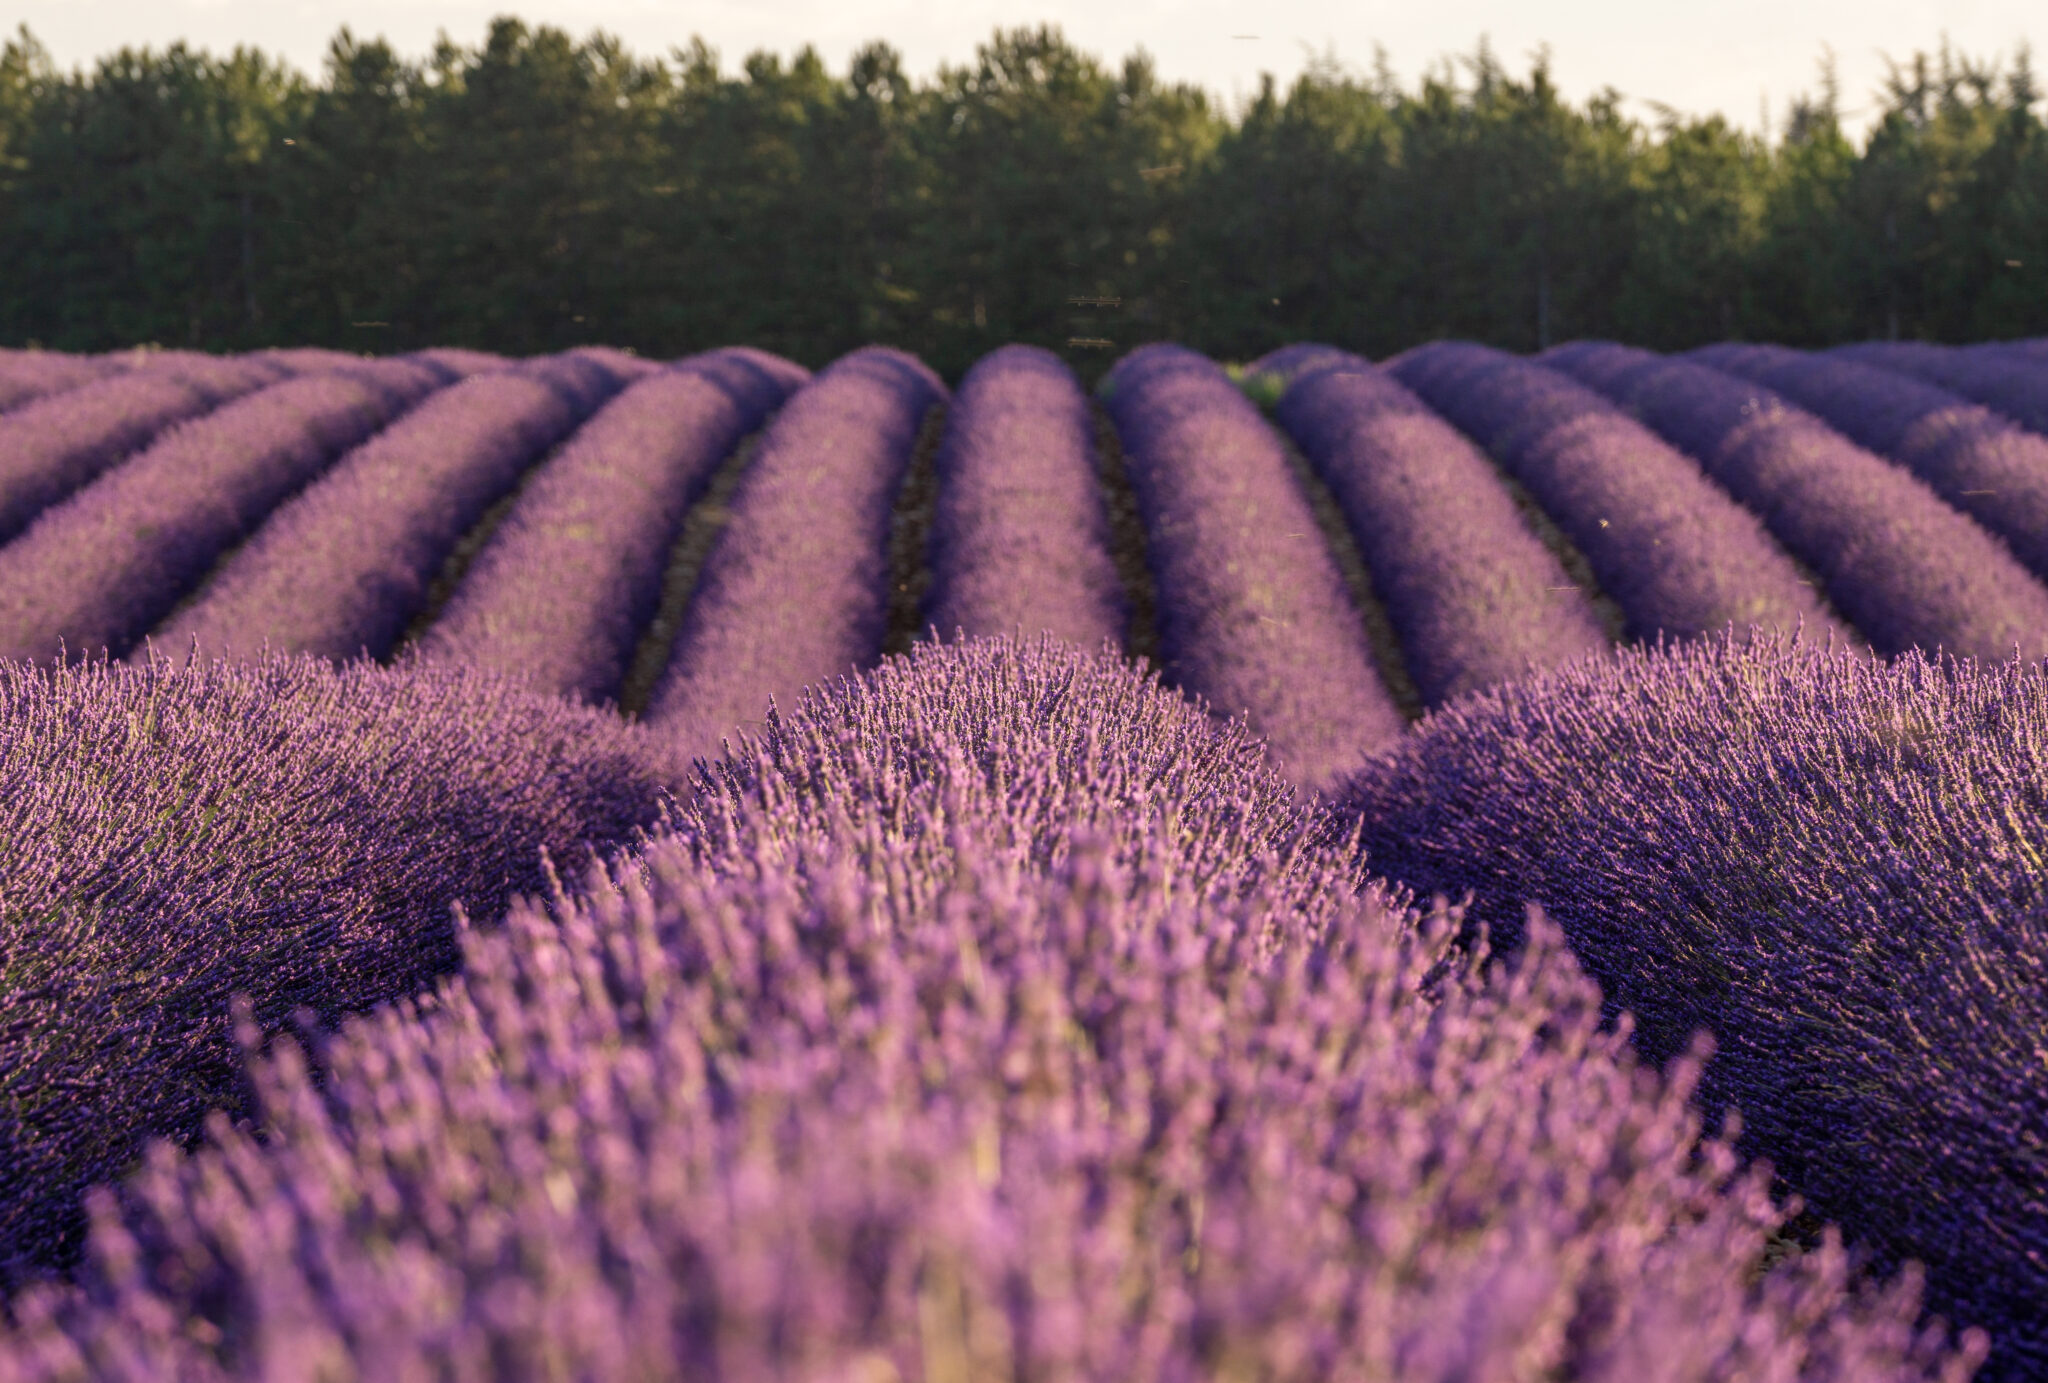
(1474, 595)
(1020, 536)
(2017, 388)
(29, 375)
(1254, 617)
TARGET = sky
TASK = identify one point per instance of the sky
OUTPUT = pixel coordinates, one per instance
(1746, 59)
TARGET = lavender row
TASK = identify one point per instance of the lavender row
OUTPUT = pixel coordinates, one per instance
(1907, 569)
(1020, 533)
(172, 835)
(1254, 617)
(827, 1086)
(795, 590)
(1836, 865)
(339, 569)
(51, 447)
(99, 570)
(1977, 461)
(29, 375)
(2016, 388)
(568, 581)
(1474, 595)
(1673, 551)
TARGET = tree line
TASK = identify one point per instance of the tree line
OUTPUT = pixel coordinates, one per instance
(538, 192)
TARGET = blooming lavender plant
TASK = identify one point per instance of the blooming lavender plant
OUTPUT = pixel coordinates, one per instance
(340, 568)
(1675, 553)
(50, 447)
(1976, 460)
(566, 584)
(2016, 388)
(1020, 535)
(1908, 570)
(29, 375)
(1253, 612)
(98, 570)
(170, 834)
(1836, 865)
(835, 1084)
(1474, 595)
(795, 590)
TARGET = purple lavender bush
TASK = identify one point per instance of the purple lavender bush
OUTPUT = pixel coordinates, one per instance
(2016, 388)
(1673, 551)
(1977, 461)
(340, 568)
(796, 588)
(1906, 569)
(834, 1084)
(1253, 613)
(52, 446)
(568, 582)
(1020, 533)
(99, 570)
(1836, 866)
(170, 835)
(1473, 594)
(26, 376)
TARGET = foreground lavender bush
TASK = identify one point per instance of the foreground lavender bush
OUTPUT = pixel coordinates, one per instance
(2016, 388)
(1838, 867)
(568, 581)
(796, 589)
(1976, 460)
(340, 568)
(29, 375)
(839, 1083)
(1904, 567)
(1253, 613)
(1474, 595)
(1675, 553)
(50, 447)
(100, 569)
(170, 835)
(1020, 534)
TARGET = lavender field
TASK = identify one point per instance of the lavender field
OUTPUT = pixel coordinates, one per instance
(1467, 867)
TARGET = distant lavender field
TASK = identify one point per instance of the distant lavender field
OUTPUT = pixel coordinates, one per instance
(1471, 867)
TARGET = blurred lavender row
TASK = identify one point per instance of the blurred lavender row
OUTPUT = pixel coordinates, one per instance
(1904, 567)
(796, 589)
(54, 445)
(98, 570)
(1976, 460)
(1474, 595)
(2018, 388)
(169, 835)
(1253, 613)
(1838, 866)
(27, 375)
(1674, 552)
(1020, 535)
(826, 1086)
(340, 568)
(569, 580)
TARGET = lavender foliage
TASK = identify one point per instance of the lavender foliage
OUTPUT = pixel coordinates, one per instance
(795, 590)
(1253, 613)
(1675, 553)
(2016, 388)
(100, 569)
(1474, 595)
(568, 581)
(1834, 864)
(54, 445)
(1904, 567)
(1020, 533)
(339, 569)
(27, 375)
(170, 835)
(836, 1082)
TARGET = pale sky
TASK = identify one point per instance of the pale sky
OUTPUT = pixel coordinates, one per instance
(1737, 57)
